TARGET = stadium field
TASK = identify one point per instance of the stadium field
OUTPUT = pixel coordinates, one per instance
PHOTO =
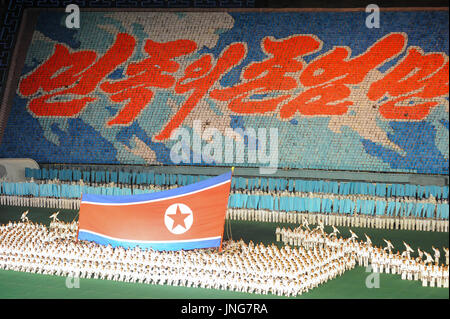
(350, 285)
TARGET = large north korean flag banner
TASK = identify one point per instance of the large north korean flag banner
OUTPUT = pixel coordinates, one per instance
(187, 217)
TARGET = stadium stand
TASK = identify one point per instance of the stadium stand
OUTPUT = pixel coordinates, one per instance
(91, 122)
(101, 107)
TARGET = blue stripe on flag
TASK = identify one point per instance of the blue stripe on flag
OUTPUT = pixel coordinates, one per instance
(157, 195)
(163, 246)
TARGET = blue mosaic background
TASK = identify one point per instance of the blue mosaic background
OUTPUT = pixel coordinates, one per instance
(305, 142)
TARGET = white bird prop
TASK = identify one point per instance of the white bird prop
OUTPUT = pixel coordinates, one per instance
(420, 252)
(335, 231)
(305, 223)
(353, 235)
(389, 244)
(408, 248)
(429, 258)
(24, 217)
(368, 241)
(437, 253)
(320, 226)
(55, 216)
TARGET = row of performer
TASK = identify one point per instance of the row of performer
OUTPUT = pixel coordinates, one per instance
(381, 222)
(356, 220)
(242, 267)
(423, 267)
(45, 202)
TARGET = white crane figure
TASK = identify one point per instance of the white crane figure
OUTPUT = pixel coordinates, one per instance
(24, 217)
(335, 231)
(320, 226)
(389, 245)
(54, 216)
(409, 250)
(420, 252)
(368, 241)
(429, 259)
(305, 224)
(353, 236)
(437, 254)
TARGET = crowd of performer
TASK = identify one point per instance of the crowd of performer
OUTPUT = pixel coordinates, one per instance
(30, 247)
(384, 221)
(47, 202)
(261, 215)
(309, 258)
(334, 219)
(424, 267)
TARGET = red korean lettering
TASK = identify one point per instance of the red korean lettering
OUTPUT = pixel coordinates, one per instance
(391, 109)
(144, 75)
(199, 77)
(413, 73)
(336, 67)
(74, 74)
(417, 78)
(269, 75)
(318, 101)
(329, 75)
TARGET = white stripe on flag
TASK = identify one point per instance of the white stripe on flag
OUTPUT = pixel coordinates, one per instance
(157, 199)
(149, 242)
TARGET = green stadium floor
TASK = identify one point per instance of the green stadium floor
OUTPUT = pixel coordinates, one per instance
(351, 285)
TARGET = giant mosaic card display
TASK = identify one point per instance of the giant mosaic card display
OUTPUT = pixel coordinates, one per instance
(340, 95)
